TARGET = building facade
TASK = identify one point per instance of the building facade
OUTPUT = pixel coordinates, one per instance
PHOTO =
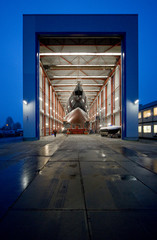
(147, 118)
(117, 101)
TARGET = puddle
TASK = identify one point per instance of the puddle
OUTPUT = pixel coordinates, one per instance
(117, 177)
(128, 178)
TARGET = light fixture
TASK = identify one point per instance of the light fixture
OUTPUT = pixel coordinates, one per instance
(79, 54)
(86, 91)
(68, 84)
(116, 98)
(98, 65)
(25, 102)
(78, 77)
(136, 101)
(40, 99)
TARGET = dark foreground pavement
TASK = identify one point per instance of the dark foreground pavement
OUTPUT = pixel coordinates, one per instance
(78, 187)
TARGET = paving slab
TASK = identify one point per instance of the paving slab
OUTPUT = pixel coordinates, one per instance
(147, 177)
(109, 186)
(78, 187)
(57, 186)
(48, 225)
(18, 167)
(126, 225)
(65, 155)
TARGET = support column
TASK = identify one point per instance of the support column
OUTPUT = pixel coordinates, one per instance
(112, 100)
(44, 108)
(49, 110)
(106, 104)
(120, 94)
(52, 111)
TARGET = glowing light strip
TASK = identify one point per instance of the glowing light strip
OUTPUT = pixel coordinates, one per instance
(94, 90)
(94, 84)
(79, 77)
(105, 65)
(79, 54)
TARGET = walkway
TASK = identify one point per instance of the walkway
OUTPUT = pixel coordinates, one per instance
(78, 187)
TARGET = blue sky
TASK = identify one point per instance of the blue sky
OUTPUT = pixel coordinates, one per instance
(11, 43)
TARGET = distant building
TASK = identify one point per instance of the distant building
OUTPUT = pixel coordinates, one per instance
(147, 118)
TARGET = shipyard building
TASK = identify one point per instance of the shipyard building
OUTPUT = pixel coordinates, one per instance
(99, 53)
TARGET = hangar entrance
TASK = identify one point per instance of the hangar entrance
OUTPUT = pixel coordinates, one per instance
(92, 62)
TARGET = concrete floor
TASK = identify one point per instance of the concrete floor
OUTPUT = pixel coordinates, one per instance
(78, 187)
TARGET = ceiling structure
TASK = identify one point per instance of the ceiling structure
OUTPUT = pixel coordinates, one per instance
(69, 60)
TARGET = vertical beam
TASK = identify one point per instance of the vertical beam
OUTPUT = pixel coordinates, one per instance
(52, 109)
(44, 108)
(102, 100)
(106, 103)
(42, 104)
(49, 109)
(112, 100)
(120, 94)
(55, 111)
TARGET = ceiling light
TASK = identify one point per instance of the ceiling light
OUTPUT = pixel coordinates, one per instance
(68, 84)
(94, 90)
(80, 77)
(98, 65)
(79, 54)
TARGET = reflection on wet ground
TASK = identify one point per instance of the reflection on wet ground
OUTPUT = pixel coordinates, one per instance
(78, 187)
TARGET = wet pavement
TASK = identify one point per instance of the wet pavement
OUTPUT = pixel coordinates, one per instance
(78, 187)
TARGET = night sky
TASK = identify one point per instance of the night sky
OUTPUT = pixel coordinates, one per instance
(11, 43)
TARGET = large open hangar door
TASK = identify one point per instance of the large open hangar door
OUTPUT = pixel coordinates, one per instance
(111, 83)
(94, 62)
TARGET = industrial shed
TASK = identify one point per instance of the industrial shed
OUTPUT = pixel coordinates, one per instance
(99, 51)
